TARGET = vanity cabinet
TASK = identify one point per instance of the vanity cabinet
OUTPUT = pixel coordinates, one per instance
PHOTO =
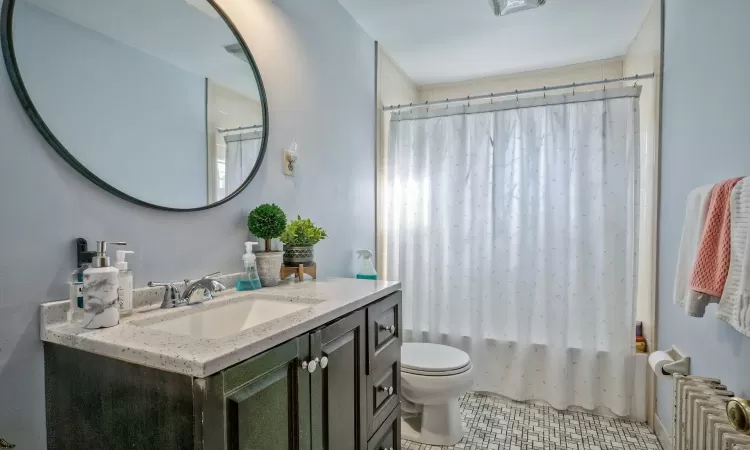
(265, 402)
(334, 388)
(338, 390)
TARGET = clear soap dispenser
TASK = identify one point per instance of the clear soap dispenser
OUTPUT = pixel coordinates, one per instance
(100, 284)
(250, 281)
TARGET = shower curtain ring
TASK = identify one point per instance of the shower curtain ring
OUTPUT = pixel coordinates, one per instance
(468, 101)
(544, 91)
(574, 89)
(446, 103)
(492, 98)
(604, 89)
(636, 80)
(516, 95)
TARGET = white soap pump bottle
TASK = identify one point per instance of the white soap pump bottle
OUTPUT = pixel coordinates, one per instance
(100, 291)
(125, 282)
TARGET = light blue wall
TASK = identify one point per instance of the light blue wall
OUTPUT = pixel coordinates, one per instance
(102, 98)
(706, 138)
(318, 69)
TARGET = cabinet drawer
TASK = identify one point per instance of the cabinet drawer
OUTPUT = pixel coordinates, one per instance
(383, 393)
(383, 333)
(388, 437)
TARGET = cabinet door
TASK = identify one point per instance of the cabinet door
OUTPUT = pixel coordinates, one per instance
(339, 389)
(268, 400)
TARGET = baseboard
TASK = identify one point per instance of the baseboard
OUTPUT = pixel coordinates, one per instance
(665, 438)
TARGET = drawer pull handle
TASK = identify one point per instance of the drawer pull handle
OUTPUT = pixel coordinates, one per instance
(312, 365)
(391, 328)
(324, 362)
(389, 390)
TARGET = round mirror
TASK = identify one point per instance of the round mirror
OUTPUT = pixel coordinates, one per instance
(157, 101)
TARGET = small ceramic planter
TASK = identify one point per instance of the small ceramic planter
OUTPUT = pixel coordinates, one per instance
(295, 255)
(269, 267)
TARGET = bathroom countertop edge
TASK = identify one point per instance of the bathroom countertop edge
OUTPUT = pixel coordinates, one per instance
(201, 358)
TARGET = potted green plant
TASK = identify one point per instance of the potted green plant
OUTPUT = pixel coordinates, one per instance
(299, 237)
(267, 222)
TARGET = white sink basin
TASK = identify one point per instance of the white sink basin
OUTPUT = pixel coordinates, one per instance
(212, 322)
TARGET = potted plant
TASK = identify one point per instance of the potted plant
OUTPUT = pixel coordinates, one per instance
(299, 237)
(267, 222)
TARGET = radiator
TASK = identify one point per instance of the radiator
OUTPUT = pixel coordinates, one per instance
(700, 416)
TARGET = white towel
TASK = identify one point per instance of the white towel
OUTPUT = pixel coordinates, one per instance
(734, 307)
(692, 229)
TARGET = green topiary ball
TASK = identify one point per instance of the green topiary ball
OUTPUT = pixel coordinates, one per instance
(267, 221)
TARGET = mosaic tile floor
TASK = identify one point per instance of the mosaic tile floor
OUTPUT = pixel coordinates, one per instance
(498, 424)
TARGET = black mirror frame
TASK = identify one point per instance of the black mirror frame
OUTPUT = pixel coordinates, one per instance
(9, 55)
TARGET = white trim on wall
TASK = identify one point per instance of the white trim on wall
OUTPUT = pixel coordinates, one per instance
(661, 433)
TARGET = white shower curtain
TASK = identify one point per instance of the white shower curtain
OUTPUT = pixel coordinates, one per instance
(242, 154)
(513, 229)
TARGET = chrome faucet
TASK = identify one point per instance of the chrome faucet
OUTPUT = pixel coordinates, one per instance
(204, 287)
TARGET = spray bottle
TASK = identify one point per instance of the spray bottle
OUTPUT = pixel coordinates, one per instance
(366, 267)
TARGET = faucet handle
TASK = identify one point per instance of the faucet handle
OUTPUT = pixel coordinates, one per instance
(204, 277)
(171, 294)
(217, 286)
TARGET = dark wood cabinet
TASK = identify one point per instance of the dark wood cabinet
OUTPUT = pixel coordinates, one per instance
(270, 410)
(334, 388)
(338, 389)
(388, 436)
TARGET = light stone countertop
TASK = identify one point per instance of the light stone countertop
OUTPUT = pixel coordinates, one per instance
(130, 341)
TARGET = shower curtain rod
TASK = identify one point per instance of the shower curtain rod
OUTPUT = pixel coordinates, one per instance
(227, 130)
(544, 89)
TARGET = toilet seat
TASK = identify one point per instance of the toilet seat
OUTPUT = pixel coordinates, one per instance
(433, 360)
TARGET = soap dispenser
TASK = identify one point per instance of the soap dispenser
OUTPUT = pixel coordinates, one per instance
(125, 282)
(100, 291)
(250, 281)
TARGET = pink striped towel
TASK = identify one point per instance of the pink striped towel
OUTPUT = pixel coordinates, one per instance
(714, 251)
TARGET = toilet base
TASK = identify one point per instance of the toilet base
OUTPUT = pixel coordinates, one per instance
(436, 425)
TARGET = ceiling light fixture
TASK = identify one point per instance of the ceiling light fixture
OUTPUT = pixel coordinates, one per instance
(236, 50)
(505, 7)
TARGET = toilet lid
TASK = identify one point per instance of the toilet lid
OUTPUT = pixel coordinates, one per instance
(433, 358)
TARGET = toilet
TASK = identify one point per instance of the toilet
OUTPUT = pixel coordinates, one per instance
(433, 377)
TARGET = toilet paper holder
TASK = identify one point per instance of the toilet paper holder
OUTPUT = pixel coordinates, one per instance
(680, 365)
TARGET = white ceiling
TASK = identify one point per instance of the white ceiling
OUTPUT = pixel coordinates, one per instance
(187, 33)
(438, 41)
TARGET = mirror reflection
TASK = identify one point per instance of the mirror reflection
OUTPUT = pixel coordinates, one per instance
(156, 98)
